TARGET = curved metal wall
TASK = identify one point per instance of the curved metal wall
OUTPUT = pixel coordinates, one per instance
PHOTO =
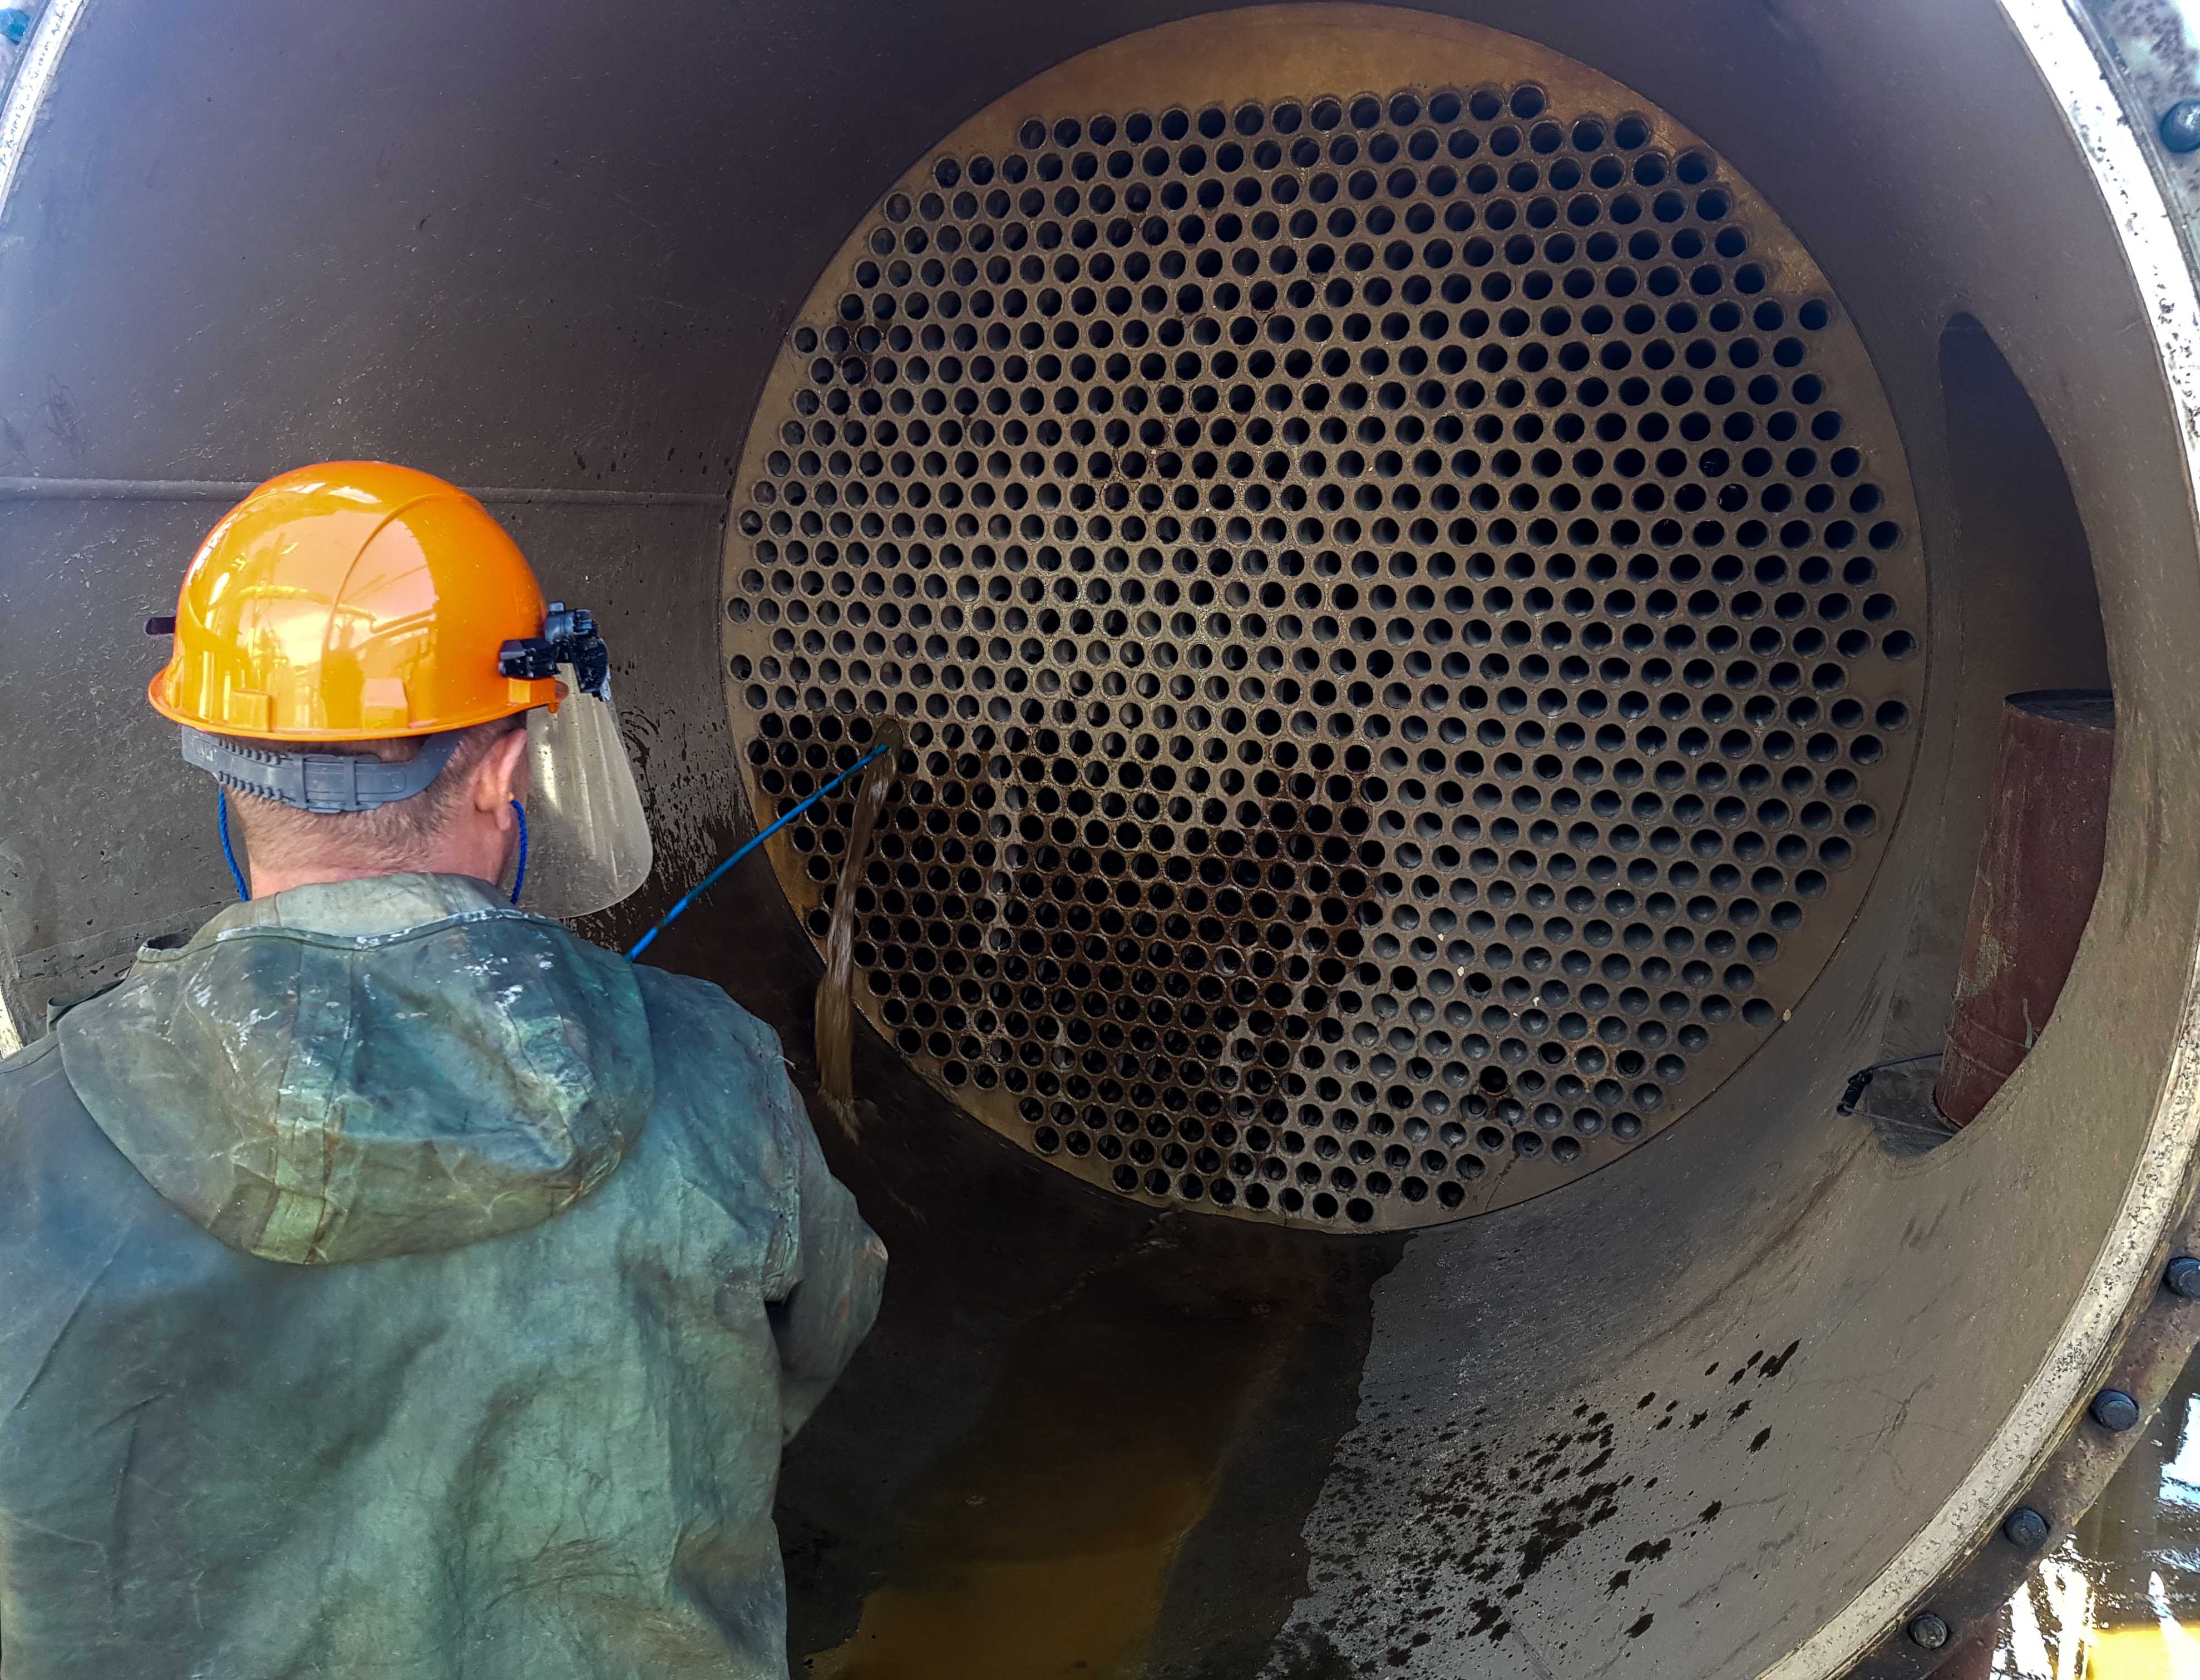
(1741, 1402)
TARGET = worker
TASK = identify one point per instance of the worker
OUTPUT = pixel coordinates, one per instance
(397, 1285)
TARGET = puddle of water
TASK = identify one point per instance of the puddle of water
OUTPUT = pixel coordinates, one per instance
(2120, 1598)
(1041, 1548)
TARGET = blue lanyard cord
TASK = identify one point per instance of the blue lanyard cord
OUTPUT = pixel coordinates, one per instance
(711, 879)
(244, 894)
(228, 852)
(519, 875)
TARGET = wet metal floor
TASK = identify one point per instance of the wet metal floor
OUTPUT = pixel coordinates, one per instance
(2119, 1599)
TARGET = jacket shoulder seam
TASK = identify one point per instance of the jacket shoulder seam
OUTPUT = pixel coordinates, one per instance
(30, 1055)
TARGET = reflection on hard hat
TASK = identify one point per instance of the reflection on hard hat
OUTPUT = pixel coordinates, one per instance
(351, 601)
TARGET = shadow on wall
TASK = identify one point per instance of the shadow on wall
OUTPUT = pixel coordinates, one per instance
(2021, 535)
(2015, 591)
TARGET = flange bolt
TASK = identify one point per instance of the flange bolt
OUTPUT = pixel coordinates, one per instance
(2026, 1528)
(1928, 1630)
(2115, 1409)
(2183, 1277)
(2181, 126)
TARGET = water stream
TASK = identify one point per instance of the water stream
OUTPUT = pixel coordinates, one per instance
(836, 1000)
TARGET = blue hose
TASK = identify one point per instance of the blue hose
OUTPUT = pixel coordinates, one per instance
(711, 879)
(519, 876)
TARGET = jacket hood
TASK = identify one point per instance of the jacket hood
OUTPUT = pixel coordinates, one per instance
(395, 1065)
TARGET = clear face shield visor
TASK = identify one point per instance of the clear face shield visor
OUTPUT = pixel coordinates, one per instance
(584, 845)
(586, 842)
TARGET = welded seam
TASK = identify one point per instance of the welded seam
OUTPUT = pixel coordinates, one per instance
(2153, 247)
(34, 80)
(41, 489)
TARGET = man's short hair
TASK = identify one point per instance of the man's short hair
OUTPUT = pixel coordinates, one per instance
(386, 838)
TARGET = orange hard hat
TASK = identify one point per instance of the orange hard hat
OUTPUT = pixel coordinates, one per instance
(351, 601)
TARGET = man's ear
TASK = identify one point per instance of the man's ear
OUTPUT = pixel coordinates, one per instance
(497, 779)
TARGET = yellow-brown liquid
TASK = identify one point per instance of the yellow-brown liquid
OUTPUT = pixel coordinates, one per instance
(1041, 1548)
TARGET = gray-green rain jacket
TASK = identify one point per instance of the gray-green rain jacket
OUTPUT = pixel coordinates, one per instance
(392, 1285)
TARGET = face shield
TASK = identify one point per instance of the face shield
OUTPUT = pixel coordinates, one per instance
(588, 843)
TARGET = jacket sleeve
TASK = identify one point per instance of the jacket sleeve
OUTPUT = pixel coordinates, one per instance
(831, 1294)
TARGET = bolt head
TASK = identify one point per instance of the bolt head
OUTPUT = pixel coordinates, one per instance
(1928, 1630)
(2026, 1528)
(2183, 1277)
(2181, 126)
(2114, 1409)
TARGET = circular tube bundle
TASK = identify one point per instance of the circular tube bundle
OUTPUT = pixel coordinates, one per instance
(1447, 581)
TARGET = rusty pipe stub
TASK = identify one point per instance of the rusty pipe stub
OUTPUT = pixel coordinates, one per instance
(2040, 866)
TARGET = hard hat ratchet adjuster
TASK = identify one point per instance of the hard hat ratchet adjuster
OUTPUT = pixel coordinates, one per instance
(320, 782)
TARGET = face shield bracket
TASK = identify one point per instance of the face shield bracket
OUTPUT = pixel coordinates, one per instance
(569, 638)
